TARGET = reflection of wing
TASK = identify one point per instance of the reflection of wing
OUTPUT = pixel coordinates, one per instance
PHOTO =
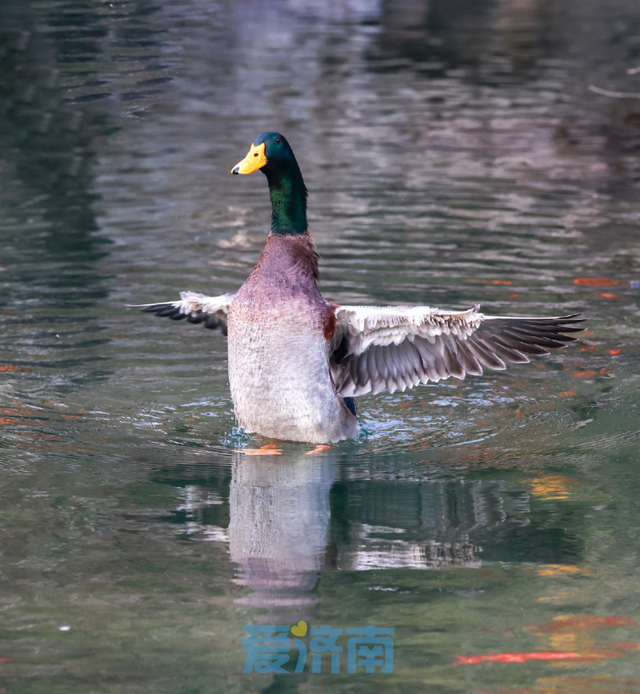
(376, 348)
(196, 308)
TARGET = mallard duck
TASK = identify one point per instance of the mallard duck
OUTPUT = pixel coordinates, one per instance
(296, 360)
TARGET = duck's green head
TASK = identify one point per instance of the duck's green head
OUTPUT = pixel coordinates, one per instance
(270, 151)
(272, 154)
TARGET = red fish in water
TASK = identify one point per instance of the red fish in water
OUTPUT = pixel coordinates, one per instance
(544, 655)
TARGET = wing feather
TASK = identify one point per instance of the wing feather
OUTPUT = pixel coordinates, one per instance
(398, 347)
(196, 308)
(470, 364)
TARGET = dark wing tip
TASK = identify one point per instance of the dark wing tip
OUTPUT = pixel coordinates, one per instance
(155, 308)
(555, 328)
(174, 312)
(530, 336)
(164, 311)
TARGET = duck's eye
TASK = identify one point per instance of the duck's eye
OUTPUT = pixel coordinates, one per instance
(278, 140)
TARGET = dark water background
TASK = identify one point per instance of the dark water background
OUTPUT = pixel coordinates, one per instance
(454, 154)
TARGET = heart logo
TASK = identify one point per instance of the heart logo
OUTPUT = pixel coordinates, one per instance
(300, 629)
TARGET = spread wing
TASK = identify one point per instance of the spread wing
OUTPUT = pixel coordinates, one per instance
(376, 348)
(196, 308)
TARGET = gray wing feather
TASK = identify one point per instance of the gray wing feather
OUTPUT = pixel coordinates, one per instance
(196, 308)
(397, 347)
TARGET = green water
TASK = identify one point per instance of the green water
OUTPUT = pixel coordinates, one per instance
(454, 155)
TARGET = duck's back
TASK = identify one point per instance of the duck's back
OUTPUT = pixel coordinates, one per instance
(279, 333)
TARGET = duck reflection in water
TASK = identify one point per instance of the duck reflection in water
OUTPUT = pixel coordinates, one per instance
(278, 530)
(282, 536)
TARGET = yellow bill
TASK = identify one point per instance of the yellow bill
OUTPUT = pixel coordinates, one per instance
(255, 160)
